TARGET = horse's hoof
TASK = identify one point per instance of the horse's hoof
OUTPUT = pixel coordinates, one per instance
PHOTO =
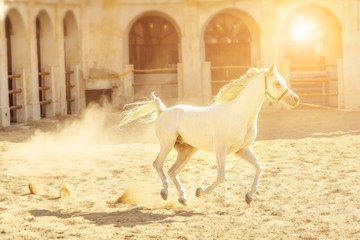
(182, 201)
(198, 192)
(248, 199)
(164, 194)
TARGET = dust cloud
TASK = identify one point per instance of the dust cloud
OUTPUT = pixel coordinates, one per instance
(141, 193)
(69, 147)
(84, 134)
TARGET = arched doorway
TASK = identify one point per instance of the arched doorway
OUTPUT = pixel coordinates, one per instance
(72, 48)
(46, 57)
(231, 45)
(17, 59)
(313, 44)
(154, 52)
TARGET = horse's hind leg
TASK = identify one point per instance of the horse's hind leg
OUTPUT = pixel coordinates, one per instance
(165, 148)
(185, 152)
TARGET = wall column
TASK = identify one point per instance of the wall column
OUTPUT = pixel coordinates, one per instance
(190, 46)
(269, 40)
(4, 90)
(351, 70)
(206, 82)
(122, 88)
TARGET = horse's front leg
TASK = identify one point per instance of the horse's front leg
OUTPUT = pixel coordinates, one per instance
(220, 160)
(248, 155)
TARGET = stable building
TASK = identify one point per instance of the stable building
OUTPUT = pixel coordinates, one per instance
(59, 55)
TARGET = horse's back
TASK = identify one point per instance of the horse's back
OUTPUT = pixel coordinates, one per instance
(192, 123)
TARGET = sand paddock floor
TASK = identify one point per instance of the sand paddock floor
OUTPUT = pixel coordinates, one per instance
(309, 187)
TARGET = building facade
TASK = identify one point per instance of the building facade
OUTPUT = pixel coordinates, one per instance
(58, 55)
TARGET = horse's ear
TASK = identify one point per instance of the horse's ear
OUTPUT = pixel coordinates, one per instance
(273, 68)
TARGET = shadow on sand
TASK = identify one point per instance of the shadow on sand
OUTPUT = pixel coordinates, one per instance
(128, 218)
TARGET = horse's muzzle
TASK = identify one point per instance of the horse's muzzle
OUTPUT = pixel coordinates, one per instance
(295, 101)
(292, 99)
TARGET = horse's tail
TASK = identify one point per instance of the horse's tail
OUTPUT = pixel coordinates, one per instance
(150, 108)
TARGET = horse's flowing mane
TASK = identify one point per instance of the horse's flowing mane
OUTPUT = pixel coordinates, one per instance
(231, 90)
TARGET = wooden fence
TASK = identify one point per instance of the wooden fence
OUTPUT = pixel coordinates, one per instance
(69, 86)
(144, 88)
(222, 75)
(13, 90)
(43, 88)
(313, 83)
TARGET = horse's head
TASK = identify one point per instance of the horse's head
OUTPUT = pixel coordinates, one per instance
(277, 90)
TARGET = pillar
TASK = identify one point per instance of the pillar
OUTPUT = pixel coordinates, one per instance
(190, 50)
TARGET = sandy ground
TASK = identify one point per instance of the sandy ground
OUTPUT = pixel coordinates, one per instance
(309, 189)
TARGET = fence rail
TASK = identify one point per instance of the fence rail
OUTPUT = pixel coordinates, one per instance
(310, 67)
(221, 81)
(142, 84)
(15, 91)
(312, 86)
(15, 107)
(44, 88)
(43, 73)
(314, 94)
(156, 70)
(44, 102)
(317, 79)
(162, 97)
(14, 76)
(230, 67)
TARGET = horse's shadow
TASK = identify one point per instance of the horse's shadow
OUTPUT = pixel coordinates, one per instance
(128, 218)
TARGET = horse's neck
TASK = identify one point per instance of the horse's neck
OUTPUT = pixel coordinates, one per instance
(252, 97)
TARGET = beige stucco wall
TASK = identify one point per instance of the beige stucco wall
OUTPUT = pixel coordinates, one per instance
(191, 18)
(24, 54)
(104, 26)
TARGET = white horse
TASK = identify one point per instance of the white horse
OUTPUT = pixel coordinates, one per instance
(229, 125)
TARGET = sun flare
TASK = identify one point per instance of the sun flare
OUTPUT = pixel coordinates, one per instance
(301, 29)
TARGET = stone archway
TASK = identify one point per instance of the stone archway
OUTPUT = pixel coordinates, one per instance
(17, 59)
(313, 45)
(231, 45)
(46, 58)
(72, 54)
(154, 51)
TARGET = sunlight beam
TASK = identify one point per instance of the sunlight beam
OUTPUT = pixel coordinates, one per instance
(300, 29)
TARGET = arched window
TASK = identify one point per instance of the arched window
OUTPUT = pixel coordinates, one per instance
(11, 81)
(313, 43)
(228, 47)
(305, 40)
(72, 53)
(227, 41)
(153, 43)
(46, 56)
(18, 58)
